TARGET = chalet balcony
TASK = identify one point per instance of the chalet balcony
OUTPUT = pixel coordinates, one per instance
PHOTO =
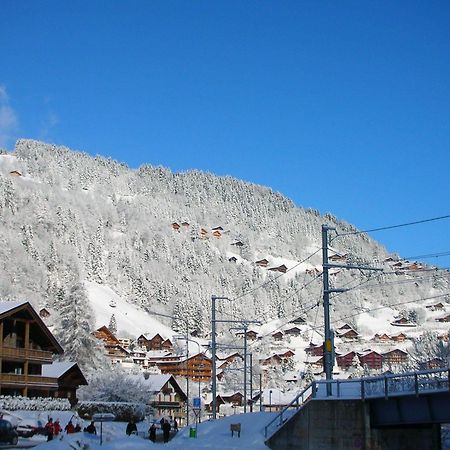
(166, 404)
(26, 354)
(12, 379)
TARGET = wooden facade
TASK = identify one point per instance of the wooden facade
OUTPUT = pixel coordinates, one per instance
(196, 368)
(395, 356)
(345, 361)
(314, 350)
(282, 269)
(25, 345)
(262, 263)
(371, 359)
(157, 342)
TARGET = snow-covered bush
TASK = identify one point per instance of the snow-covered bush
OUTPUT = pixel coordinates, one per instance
(34, 404)
(124, 412)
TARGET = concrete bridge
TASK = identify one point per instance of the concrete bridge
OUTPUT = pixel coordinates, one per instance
(390, 412)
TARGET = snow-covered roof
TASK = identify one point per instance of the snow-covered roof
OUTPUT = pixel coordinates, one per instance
(8, 306)
(156, 382)
(56, 369)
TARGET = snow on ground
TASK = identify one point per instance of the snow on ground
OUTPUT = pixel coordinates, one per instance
(129, 317)
(210, 435)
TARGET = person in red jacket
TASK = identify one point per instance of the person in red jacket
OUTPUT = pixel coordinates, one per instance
(49, 429)
(69, 428)
(56, 428)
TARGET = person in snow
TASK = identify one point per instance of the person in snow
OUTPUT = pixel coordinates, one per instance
(49, 429)
(131, 427)
(91, 428)
(77, 428)
(166, 430)
(56, 428)
(69, 428)
(175, 425)
(152, 432)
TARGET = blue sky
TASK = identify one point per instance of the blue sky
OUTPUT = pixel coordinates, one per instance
(342, 106)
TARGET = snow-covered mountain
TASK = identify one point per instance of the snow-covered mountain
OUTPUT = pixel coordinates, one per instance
(165, 242)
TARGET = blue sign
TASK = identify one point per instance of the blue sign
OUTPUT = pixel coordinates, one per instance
(197, 403)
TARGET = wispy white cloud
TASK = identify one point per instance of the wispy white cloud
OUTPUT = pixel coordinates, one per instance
(8, 118)
(47, 124)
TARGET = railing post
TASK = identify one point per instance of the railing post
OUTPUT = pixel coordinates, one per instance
(363, 394)
(314, 390)
(416, 384)
(338, 388)
(386, 387)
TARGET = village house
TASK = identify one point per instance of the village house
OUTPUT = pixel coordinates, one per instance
(348, 334)
(203, 233)
(273, 360)
(298, 321)
(403, 322)
(26, 346)
(113, 348)
(217, 234)
(314, 349)
(292, 331)
(217, 229)
(446, 318)
(395, 356)
(15, 173)
(185, 225)
(238, 244)
(252, 335)
(400, 337)
(282, 269)
(345, 361)
(315, 362)
(371, 359)
(338, 258)
(277, 336)
(196, 368)
(233, 259)
(232, 399)
(157, 342)
(166, 397)
(176, 226)
(44, 313)
(262, 263)
(382, 337)
(436, 307)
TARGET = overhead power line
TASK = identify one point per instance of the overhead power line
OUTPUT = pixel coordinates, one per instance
(429, 255)
(390, 227)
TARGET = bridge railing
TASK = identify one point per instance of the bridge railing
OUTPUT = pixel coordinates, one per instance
(389, 385)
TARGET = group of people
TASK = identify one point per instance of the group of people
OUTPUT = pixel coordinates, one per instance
(165, 427)
(53, 429)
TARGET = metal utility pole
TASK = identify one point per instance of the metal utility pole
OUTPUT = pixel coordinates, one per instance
(187, 374)
(251, 381)
(328, 345)
(245, 367)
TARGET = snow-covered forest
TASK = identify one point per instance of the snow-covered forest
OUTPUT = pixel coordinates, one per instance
(67, 217)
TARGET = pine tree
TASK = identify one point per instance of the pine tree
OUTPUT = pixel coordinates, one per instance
(113, 324)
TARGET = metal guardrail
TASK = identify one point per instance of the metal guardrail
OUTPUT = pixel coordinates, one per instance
(385, 386)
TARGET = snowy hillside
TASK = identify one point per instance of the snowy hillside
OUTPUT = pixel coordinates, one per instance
(80, 234)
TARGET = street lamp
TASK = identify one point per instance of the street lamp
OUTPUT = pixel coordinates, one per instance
(270, 400)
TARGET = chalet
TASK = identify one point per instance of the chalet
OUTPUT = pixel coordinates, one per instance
(444, 319)
(346, 326)
(444, 337)
(273, 360)
(166, 397)
(403, 322)
(154, 357)
(125, 342)
(196, 368)
(251, 335)
(371, 359)
(273, 399)
(203, 233)
(238, 244)
(382, 337)
(106, 335)
(217, 234)
(113, 348)
(288, 354)
(337, 257)
(232, 399)
(15, 173)
(225, 360)
(413, 266)
(233, 259)
(390, 259)
(349, 334)
(217, 229)
(69, 378)
(315, 361)
(26, 344)
(434, 363)
(298, 321)
(313, 272)
(395, 356)
(282, 269)
(185, 224)
(157, 342)
(314, 350)
(176, 226)
(262, 263)
(44, 313)
(345, 361)
(436, 307)
(278, 336)
(293, 331)
(400, 337)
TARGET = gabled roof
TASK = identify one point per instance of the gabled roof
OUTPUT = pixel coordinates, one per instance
(59, 368)
(155, 383)
(10, 308)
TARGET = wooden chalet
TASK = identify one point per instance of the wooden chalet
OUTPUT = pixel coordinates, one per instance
(217, 229)
(345, 361)
(44, 313)
(176, 226)
(436, 307)
(288, 354)
(15, 173)
(312, 272)
(400, 337)
(69, 378)
(113, 347)
(224, 361)
(395, 356)
(278, 336)
(349, 334)
(403, 322)
(434, 363)
(282, 269)
(203, 233)
(273, 360)
(293, 331)
(157, 342)
(444, 337)
(196, 368)
(262, 263)
(298, 321)
(371, 359)
(233, 259)
(26, 344)
(217, 234)
(185, 224)
(314, 349)
(252, 335)
(382, 337)
(234, 399)
(238, 244)
(338, 258)
(166, 397)
(444, 319)
(315, 362)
